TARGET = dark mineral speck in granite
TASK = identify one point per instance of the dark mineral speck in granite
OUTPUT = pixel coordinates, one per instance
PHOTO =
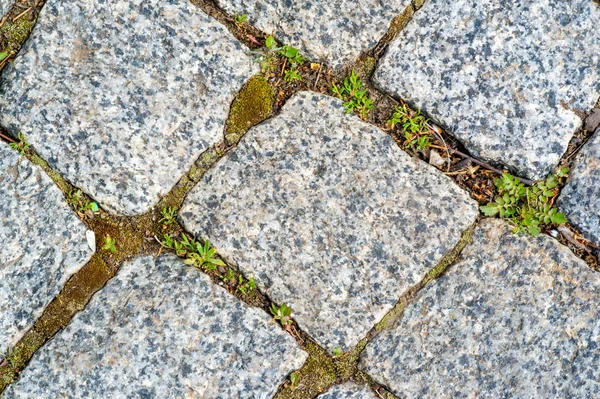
(328, 215)
(514, 317)
(122, 97)
(161, 329)
(507, 78)
(42, 244)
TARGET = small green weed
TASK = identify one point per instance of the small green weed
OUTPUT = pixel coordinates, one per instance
(415, 126)
(354, 96)
(291, 54)
(337, 351)
(246, 287)
(528, 208)
(76, 198)
(197, 254)
(168, 216)
(283, 314)
(203, 256)
(110, 244)
(291, 75)
(240, 19)
(22, 145)
(294, 380)
(229, 276)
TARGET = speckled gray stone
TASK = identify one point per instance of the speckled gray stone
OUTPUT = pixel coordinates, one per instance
(328, 215)
(161, 329)
(580, 199)
(42, 243)
(504, 77)
(349, 391)
(5, 6)
(515, 317)
(333, 31)
(122, 97)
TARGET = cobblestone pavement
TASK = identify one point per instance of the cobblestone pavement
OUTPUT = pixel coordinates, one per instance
(278, 199)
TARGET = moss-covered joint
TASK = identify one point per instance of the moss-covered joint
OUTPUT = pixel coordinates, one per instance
(318, 373)
(253, 104)
(13, 34)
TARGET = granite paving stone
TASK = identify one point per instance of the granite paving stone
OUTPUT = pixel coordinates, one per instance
(580, 199)
(328, 215)
(5, 6)
(161, 329)
(122, 97)
(349, 391)
(42, 243)
(507, 78)
(333, 31)
(515, 317)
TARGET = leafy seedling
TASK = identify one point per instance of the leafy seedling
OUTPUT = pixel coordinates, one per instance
(229, 276)
(240, 19)
(202, 256)
(283, 314)
(528, 208)
(22, 146)
(294, 380)
(291, 75)
(110, 244)
(354, 95)
(168, 216)
(337, 351)
(417, 133)
(291, 54)
(249, 285)
(76, 198)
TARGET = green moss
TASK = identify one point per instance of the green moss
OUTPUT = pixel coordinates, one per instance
(252, 105)
(364, 67)
(400, 22)
(315, 377)
(7, 376)
(14, 34)
(57, 178)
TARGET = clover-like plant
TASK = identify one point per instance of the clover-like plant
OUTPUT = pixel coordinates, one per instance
(528, 208)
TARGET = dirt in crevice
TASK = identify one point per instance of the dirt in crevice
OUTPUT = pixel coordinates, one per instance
(250, 36)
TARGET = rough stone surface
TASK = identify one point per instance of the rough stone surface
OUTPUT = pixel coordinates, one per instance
(349, 391)
(504, 77)
(122, 97)
(516, 317)
(593, 120)
(42, 243)
(5, 6)
(333, 31)
(328, 215)
(580, 199)
(161, 329)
